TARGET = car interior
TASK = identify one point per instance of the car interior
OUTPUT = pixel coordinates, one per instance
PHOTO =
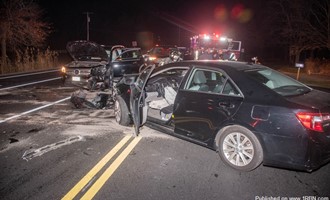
(211, 82)
(162, 89)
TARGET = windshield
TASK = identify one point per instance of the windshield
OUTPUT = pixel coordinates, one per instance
(131, 54)
(86, 51)
(278, 82)
(162, 51)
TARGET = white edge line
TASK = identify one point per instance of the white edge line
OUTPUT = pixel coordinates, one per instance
(7, 88)
(33, 110)
(28, 74)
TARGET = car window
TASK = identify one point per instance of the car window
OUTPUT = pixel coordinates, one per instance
(142, 78)
(131, 54)
(278, 82)
(115, 54)
(173, 77)
(212, 82)
(165, 84)
(230, 89)
(108, 52)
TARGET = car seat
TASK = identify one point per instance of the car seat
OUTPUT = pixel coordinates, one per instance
(199, 82)
(218, 88)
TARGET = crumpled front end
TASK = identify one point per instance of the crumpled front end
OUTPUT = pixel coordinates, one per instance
(79, 73)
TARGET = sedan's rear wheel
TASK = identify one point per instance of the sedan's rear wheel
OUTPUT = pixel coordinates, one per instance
(121, 112)
(240, 148)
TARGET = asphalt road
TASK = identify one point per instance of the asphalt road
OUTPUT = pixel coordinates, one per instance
(21, 79)
(55, 153)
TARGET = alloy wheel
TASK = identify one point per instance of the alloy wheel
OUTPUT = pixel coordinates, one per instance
(238, 149)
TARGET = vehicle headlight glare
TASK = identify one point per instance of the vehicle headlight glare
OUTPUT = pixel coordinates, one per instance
(223, 39)
(63, 69)
(152, 58)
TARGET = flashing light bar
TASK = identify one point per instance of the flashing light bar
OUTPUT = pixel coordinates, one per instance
(207, 37)
(213, 37)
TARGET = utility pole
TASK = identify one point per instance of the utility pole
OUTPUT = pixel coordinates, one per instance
(179, 43)
(87, 21)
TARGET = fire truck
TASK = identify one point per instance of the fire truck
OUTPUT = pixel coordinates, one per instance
(214, 47)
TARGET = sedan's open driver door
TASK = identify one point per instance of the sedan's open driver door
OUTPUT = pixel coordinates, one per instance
(137, 100)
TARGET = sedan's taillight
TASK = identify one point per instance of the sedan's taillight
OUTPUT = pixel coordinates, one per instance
(313, 121)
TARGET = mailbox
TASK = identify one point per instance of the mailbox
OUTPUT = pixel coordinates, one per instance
(300, 65)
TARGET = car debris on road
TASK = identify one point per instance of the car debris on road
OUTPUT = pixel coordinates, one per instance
(99, 100)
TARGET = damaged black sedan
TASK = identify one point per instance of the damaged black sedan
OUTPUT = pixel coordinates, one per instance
(248, 113)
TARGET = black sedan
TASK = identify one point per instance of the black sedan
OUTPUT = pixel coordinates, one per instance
(249, 113)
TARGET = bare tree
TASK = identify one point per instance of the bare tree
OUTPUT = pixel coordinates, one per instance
(321, 26)
(301, 24)
(21, 25)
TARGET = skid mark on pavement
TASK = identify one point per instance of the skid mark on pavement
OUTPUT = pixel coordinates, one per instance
(31, 153)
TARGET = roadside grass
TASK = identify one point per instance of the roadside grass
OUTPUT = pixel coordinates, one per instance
(31, 59)
(320, 79)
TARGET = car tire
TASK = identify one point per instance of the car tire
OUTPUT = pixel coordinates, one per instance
(240, 149)
(121, 112)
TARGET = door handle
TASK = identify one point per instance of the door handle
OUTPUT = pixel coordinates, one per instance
(226, 104)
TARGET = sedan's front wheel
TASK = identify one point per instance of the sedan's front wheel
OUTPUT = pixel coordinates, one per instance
(121, 112)
(240, 148)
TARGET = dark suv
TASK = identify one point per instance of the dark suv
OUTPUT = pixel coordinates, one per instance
(127, 62)
(92, 63)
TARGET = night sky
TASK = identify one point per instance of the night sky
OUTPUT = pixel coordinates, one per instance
(119, 22)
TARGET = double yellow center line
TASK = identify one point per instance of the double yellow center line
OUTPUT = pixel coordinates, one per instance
(106, 174)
